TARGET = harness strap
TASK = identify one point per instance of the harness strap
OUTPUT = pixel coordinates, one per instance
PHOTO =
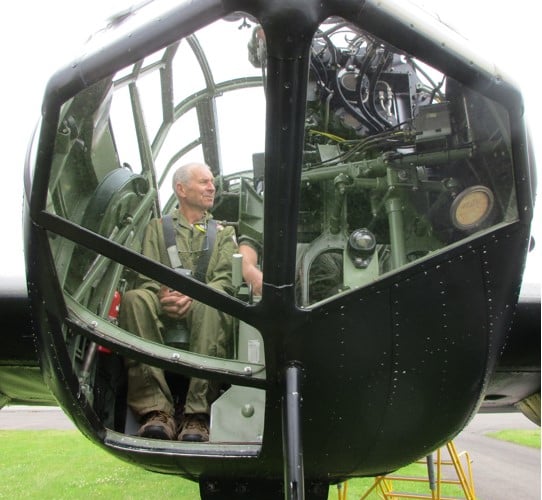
(203, 262)
(172, 251)
(171, 246)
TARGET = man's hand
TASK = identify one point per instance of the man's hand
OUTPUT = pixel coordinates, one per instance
(174, 304)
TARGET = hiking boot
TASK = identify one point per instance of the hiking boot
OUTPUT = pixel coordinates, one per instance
(195, 428)
(158, 425)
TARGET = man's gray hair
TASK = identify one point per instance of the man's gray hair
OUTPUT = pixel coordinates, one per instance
(183, 173)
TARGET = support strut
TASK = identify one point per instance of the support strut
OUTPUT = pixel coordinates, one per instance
(292, 444)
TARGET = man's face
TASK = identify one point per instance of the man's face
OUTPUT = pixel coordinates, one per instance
(199, 192)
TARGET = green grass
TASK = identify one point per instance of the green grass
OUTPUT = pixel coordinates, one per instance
(529, 438)
(65, 465)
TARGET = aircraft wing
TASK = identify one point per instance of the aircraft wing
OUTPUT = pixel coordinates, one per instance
(21, 380)
(515, 379)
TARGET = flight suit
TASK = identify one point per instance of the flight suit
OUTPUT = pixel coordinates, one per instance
(210, 329)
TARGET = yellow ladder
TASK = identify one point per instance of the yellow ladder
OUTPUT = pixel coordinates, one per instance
(384, 484)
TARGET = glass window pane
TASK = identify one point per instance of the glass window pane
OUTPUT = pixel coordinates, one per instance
(400, 161)
(118, 146)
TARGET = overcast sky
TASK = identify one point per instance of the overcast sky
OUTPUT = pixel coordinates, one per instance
(39, 37)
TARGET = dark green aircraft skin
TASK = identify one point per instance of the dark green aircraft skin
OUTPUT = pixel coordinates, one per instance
(386, 373)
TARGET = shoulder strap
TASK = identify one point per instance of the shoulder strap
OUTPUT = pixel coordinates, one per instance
(203, 262)
(171, 247)
(169, 237)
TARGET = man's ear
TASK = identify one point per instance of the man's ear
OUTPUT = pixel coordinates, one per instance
(179, 190)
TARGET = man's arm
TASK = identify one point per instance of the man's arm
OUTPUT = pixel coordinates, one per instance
(251, 272)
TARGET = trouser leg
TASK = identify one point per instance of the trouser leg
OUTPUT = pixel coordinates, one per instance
(147, 388)
(210, 334)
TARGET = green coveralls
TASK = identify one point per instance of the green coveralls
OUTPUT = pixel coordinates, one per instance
(210, 329)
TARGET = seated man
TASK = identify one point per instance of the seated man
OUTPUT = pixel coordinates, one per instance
(145, 309)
